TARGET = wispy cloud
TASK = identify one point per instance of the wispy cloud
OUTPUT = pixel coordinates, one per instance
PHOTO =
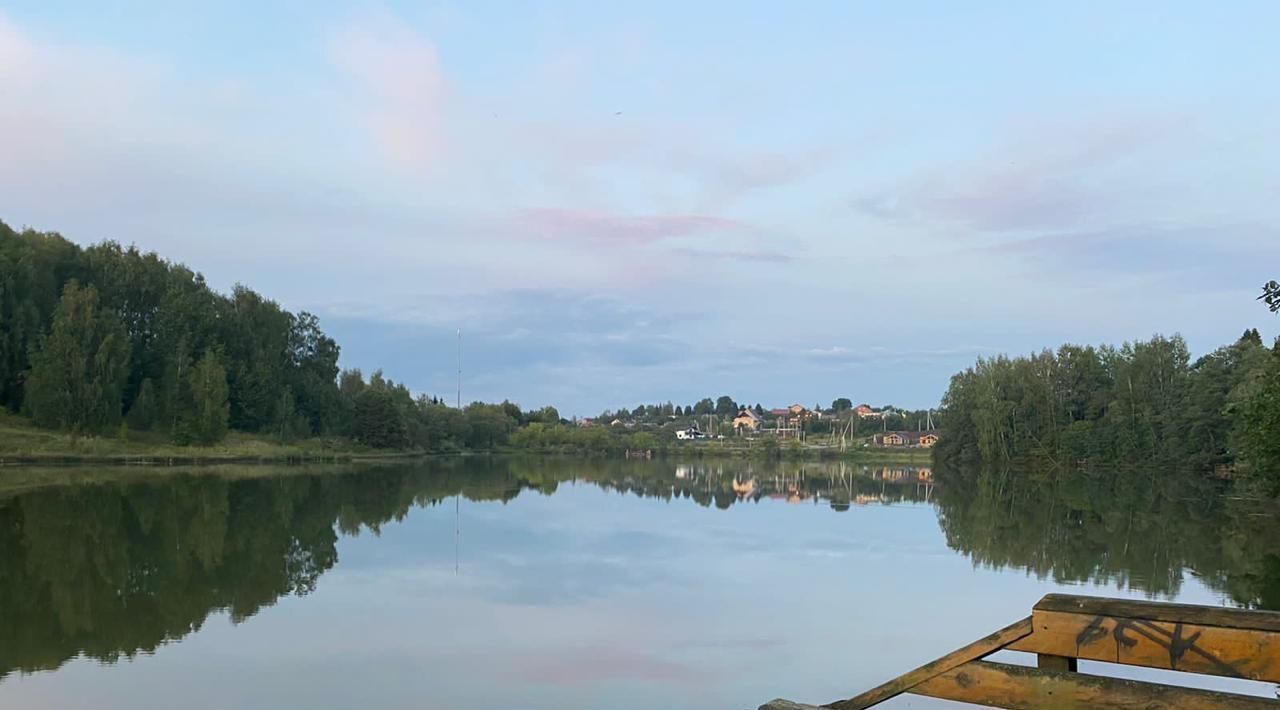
(1201, 256)
(1050, 176)
(747, 255)
(610, 228)
(399, 79)
(839, 355)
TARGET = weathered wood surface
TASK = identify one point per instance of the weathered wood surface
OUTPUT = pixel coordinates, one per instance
(1212, 650)
(978, 649)
(1233, 643)
(1161, 611)
(1021, 688)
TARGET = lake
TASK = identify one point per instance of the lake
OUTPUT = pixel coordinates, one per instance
(558, 583)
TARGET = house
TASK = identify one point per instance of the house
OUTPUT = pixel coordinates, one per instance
(863, 411)
(747, 419)
(891, 438)
(690, 434)
(779, 412)
(923, 439)
(586, 422)
(797, 413)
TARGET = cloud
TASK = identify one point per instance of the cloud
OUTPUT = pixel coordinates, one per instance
(1050, 176)
(727, 177)
(398, 76)
(520, 335)
(854, 356)
(608, 228)
(748, 255)
(1201, 256)
(16, 53)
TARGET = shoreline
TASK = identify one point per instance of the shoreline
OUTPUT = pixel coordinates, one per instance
(168, 460)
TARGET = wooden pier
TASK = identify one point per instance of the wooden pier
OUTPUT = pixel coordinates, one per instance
(1232, 643)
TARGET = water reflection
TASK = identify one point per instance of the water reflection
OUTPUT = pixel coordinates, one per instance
(126, 562)
(1142, 530)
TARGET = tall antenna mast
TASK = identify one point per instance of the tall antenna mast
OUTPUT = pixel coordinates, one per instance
(459, 368)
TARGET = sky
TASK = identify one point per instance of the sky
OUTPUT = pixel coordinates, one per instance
(621, 203)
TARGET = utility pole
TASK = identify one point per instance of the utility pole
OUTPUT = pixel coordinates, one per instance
(459, 368)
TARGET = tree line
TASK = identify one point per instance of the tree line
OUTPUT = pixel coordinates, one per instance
(1145, 402)
(724, 408)
(111, 340)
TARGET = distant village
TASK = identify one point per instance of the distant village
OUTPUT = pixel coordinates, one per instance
(842, 422)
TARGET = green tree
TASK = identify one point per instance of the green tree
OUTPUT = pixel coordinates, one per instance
(725, 406)
(175, 397)
(1261, 423)
(206, 421)
(1271, 296)
(143, 414)
(1261, 412)
(377, 421)
(488, 425)
(512, 410)
(842, 404)
(443, 427)
(312, 375)
(78, 372)
(34, 267)
(291, 424)
(546, 415)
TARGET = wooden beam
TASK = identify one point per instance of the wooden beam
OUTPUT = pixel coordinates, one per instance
(1020, 688)
(983, 647)
(1212, 650)
(1162, 611)
(781, 704)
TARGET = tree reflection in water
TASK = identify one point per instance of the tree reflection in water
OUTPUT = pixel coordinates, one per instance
(125, 561)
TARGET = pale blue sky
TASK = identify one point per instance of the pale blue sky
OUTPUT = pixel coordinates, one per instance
(624, 203)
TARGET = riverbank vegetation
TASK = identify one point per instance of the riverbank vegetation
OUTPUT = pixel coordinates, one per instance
(120, 351)
(112, 351)
(1143, 403)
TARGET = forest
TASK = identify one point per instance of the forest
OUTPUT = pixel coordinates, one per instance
(1143, 403)
(110, 341)
(107, 341)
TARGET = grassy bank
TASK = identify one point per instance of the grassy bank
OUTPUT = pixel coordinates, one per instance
(15, 480)
(23, 443)
(20, 442)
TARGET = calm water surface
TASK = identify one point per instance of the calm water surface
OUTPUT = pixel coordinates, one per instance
(503, 583)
